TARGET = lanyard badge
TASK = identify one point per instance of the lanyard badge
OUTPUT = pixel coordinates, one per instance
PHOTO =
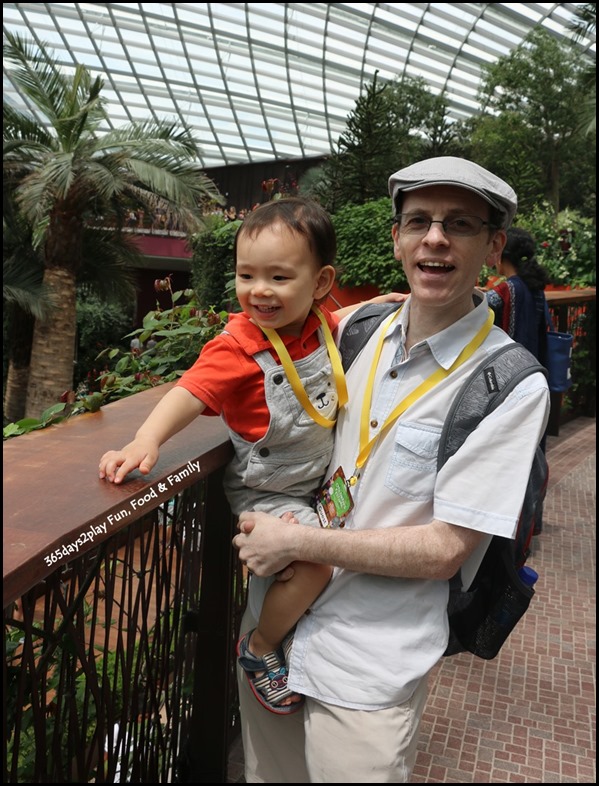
(334, 501)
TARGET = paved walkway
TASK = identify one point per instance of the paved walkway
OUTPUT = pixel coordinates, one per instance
(528, 716)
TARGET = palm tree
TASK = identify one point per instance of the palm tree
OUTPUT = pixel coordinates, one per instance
(108, 274)
(24, 299)
(66, 173)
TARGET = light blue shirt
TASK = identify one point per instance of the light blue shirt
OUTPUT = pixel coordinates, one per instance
(369, 640)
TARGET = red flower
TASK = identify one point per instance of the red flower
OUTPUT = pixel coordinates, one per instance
(162, 284)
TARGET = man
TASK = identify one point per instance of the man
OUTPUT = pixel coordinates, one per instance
(362, 654)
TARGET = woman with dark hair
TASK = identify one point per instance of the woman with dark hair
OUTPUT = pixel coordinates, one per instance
(519, 300)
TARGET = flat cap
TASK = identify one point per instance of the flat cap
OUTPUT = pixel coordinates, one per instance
(453, 171)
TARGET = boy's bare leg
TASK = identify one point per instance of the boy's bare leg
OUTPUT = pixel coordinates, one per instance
(284, 604)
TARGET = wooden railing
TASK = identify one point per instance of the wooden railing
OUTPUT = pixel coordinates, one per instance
(574, 311)
(121, 606)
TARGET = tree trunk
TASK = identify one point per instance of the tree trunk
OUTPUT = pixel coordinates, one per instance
(19, 340)
(53, 348)
(15, 395)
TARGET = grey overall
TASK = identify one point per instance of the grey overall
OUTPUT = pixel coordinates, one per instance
(282, 470)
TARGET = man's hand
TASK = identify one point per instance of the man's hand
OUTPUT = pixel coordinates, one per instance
(266, 543)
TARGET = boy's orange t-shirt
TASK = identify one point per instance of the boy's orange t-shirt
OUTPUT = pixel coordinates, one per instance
(230, 382)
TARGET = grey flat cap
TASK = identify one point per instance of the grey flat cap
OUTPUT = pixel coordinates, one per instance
(452, 171)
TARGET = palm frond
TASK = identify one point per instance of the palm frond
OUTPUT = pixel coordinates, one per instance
(177, 181)
(179, 141)
(110, 261)
(19, 127)
(66, 100)
(585, 21)
(22, 284)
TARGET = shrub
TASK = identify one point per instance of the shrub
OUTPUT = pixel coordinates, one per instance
(212, 269)
(180, 333)
(99, 325)
(565, 245)
(365, 247)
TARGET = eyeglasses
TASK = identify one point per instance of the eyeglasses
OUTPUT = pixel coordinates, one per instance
(456, 226)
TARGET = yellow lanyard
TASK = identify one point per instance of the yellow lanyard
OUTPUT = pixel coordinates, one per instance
(366, 445)
(293, 376)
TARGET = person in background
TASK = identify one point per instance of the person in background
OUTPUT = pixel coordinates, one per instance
(275, 376)
(362, 655)
(518, 302)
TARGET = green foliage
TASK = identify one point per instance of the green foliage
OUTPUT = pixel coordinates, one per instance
(180, 332)
(578, 175)
(566, 245)
(20, 703)
(365, 246)
(585, 24)
(359, 169)
(73, 404)
(99, 325)
(538, 80)
(540, 83)
(419, 119)
(58, 668)
(212, 268)
(392, 125)
(506, 145)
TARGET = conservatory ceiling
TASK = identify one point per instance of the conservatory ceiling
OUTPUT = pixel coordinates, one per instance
(265, 81)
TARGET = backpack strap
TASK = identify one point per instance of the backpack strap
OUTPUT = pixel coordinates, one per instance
(359, 327)
(485, 389)
(496, 578)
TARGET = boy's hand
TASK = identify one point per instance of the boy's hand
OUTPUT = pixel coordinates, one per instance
(390, 297)
(140, 454)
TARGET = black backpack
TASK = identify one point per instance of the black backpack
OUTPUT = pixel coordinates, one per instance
(481, 618)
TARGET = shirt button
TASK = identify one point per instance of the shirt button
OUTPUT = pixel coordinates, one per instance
(277, 379)
(374, 423)
(264, 452)
(393, 374)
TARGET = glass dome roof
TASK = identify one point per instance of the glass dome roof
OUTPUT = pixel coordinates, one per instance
(266, 81)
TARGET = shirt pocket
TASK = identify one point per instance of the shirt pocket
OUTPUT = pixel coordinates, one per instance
(413, 468)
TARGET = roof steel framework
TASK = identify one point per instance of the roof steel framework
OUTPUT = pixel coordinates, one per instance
(264, 81)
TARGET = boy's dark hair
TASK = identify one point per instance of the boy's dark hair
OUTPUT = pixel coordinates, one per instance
(520, 249)
(304, 216)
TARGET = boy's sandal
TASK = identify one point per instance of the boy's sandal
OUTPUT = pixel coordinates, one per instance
(271, 687)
